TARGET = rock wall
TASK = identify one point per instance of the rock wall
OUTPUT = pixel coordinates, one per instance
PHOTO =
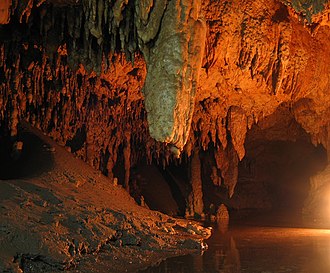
(5, 11)
(257, 57)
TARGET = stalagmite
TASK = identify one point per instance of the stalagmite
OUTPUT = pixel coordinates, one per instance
(222, 214)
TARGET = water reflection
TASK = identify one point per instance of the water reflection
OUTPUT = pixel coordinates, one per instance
(257, 249)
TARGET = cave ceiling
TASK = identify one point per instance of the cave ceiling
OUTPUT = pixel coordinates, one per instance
(151, 78)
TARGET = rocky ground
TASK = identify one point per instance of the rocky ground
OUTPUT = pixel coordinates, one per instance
(57, 213)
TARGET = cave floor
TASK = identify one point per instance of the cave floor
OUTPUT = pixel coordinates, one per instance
(255, 249)
(58, 214)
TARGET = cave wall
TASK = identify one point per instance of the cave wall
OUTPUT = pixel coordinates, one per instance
(257, 57)
(77, 70)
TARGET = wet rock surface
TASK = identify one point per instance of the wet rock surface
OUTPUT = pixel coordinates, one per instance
(69, 217)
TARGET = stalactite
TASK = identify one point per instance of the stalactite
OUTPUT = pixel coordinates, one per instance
(59, 100)
(127, 157)
(227, 163)
(147, 22)
(306, 9)
(5, 11)
(195, 204)
(176, 72)
(237, 126)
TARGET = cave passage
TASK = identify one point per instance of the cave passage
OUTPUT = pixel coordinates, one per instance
(275, 176)
(273, 180)
(163, 189)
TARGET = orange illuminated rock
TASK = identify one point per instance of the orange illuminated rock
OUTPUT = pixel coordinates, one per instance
(5, 11)
(257, 56)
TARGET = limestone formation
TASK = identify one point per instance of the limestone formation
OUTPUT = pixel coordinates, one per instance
(195, 200)
(209, 70)
(5, 11)
(222, 213)
(227, 163)
(305, 9)
(173, 68)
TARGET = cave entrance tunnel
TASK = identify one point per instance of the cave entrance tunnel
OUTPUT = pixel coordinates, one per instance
(273, 180)
(274, 176)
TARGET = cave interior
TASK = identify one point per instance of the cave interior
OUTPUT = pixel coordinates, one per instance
(185, 105)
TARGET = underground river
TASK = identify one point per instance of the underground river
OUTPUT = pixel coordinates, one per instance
(256, 249)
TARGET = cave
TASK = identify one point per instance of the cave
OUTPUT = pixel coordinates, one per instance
(137, 135)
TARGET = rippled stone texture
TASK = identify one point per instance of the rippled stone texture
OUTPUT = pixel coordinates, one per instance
(173, 68)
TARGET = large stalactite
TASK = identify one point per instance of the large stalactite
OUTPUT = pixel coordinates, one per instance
(173, 64)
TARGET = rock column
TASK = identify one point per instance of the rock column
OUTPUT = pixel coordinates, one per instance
(195, 199)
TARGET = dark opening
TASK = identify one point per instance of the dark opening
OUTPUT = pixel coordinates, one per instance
(24, 156)
(274, 175)
(163, 189)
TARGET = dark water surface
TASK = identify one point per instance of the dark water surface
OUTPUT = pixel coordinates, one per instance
(257, 250)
